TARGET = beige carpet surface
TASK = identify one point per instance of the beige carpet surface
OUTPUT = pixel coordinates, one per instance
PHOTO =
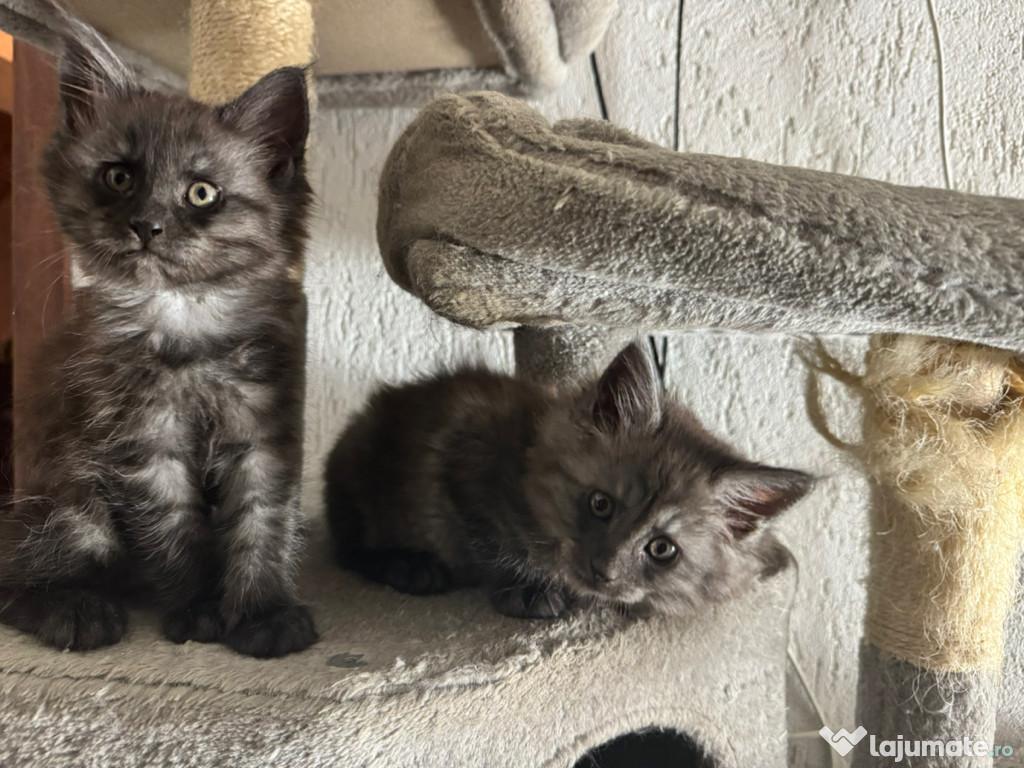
(405, 681)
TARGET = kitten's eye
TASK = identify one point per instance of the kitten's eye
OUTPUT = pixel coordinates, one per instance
(119, 179)
(202, 194)
(662, 549)
(601, 505)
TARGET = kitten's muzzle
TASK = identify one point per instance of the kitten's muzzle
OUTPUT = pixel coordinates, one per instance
(146, 230)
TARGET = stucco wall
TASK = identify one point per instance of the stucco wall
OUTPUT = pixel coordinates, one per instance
(853, 87)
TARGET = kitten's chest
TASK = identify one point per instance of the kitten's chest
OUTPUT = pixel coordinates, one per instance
(168, 404)
(144, 402)
(173, 318)
(172, 367)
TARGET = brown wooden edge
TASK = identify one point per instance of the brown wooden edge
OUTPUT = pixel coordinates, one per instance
(40, 281)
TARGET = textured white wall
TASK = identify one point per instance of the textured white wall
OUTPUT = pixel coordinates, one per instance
(852, 87)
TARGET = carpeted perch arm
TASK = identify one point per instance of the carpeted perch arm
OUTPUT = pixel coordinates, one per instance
(492, 216)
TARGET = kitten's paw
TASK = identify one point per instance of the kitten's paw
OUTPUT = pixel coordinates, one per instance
(276, 633)
(201, 621)
(79, 619)
(415, 573)
(531, 601)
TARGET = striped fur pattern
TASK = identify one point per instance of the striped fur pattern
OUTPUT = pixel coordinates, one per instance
(165, 451)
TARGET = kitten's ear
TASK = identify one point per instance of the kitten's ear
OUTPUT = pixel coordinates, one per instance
(753, 494)
(90, 72)
(276, 111)
(628, 394)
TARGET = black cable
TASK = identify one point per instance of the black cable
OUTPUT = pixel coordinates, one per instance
(597, 86)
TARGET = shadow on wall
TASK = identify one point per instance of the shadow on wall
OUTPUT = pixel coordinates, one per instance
(650, 749)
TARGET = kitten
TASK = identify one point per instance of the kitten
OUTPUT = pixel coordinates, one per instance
(166, 429)
(613, 494)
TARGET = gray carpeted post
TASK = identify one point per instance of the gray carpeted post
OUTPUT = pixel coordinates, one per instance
(900, 701)
(565, 355)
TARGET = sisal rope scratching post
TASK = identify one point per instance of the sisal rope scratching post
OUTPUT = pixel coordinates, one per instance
(944, 432)
(233, 43)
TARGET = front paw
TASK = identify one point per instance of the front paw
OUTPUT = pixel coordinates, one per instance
(80, 620)
(531, 601)
(277, 632)
(201, 621)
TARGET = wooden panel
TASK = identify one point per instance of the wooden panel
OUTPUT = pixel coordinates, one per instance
(39, 274)
(6, 171)
(6, 86)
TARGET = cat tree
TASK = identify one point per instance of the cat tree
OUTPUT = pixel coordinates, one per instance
(494, 217)
(602, 231)
(398, 680)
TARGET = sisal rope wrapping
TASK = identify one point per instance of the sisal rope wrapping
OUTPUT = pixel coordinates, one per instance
(944, 432)
(233, 43)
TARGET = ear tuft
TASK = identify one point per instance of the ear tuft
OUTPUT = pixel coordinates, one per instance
(753, 494)
(276, 111)
(90, 72)
(628, 394)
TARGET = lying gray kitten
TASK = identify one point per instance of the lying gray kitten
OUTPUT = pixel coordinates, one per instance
(612, 495)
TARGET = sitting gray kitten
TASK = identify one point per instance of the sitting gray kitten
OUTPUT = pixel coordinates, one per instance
(165, 444)
(611, 495)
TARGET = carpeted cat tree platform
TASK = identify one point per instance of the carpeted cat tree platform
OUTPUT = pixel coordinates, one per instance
(576, 231)
(400, 681)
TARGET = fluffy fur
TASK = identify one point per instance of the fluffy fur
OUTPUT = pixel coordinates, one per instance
(612, 494)
(165, 444)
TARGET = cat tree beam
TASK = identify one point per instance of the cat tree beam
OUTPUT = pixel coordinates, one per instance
(493, 218)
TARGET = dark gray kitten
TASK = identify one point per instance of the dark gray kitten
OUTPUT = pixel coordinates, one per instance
(612, 494)
(166, 444)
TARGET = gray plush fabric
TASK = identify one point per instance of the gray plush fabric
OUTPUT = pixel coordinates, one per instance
(565, 355)
(391, 89)
(406, 681)
(1010, 711)
(494, 217)
(536, 39)
(896, 698)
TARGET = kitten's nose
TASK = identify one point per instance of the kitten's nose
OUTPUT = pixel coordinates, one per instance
(598, 573)
(146, 230)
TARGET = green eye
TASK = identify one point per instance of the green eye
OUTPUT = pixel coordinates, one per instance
(601, 505)
(661, 549)
(119, 179)
(202, 194)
